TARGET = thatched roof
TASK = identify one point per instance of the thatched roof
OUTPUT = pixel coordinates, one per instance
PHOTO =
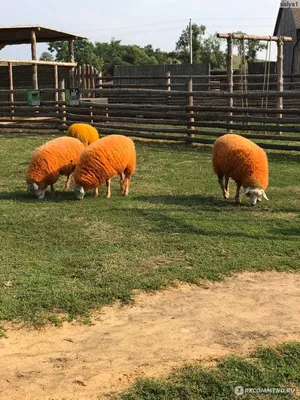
(22, 34)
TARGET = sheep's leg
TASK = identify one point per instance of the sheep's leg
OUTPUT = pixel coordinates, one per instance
(108, 193)
(122, 180)
(221, 183)
(226, 189)
(96, 192)
(237, 198)
(52, 189)
(68, 182)
(127, 184)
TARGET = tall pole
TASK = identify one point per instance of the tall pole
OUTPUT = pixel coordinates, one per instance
(71, 58)
(33, 57)
(229, 68)
(191, 42)
(280, 75)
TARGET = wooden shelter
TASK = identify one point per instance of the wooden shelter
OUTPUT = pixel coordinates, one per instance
(288, 24)
(32, 74)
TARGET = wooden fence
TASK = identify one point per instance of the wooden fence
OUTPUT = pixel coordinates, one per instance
(272, 127)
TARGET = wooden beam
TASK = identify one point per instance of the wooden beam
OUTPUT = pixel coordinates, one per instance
(38, 62)
(254, 37)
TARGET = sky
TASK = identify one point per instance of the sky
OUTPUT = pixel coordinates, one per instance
(140, 22)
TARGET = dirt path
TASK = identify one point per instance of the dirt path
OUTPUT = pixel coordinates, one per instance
(160, 331)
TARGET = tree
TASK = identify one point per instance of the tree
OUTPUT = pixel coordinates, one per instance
(183, 43)
(248, 49)
(211, 52)
(84, 52)
(46, 56)
(205, 50)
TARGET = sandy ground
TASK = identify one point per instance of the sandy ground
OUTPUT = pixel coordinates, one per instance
(159, 332)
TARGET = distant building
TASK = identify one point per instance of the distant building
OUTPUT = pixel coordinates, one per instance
(288, 24)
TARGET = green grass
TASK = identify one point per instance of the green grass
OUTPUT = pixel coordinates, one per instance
(62, 257)
(267, 368)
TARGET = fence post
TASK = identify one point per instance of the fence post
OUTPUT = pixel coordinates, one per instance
(168, 82)
(33, 56)
(93, 86)
(62, 97)
(79, 77)
(280, 76)
(56, 86)
(11, 87)
(190, 102)
(229, 76)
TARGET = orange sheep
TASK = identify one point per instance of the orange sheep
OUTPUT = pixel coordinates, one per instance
(101, 161)
(86, 133)
(245, 162)
(54, 158)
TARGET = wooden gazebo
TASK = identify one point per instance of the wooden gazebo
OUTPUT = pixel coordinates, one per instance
(32, 74)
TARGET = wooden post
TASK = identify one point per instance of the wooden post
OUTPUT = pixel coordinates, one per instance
(79, 76)
(84, 78)
(93, 80)
(62, 97)
(229, 76)
(280, 76)
(191, 42)
(88, 78)
(190, 102)
(168, 75)
(71, 58)
(56, 85)
(100, 80)
(33, 57)
(11, 87)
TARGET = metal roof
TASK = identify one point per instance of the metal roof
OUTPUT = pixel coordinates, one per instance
(22, 34)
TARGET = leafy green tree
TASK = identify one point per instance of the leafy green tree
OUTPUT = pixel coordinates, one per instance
(46, 56)
(248, 49)
(183, 43)
(84, 52)
(211, 52)
(205, 50)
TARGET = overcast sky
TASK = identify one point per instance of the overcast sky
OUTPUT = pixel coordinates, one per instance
(141, 22)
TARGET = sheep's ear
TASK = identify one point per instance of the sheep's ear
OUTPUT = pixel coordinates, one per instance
(264, 195)
(246, 190)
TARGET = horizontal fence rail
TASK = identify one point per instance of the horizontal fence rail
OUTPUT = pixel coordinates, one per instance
(192, 116)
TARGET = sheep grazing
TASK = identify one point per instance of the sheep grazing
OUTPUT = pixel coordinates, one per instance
(101, 161)
(86, 133)
(245, 162)
(54, 158)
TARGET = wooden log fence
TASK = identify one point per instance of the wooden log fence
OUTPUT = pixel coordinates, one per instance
(186, 121)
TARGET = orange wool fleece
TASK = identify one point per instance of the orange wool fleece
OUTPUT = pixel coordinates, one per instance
(54, 158)
(86, 133)
(104, 159)
(240, 159)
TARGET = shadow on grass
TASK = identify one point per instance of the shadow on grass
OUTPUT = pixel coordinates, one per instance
(196, 200)
(25, 197)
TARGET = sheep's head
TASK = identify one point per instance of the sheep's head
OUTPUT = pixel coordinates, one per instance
(255, 194)
(79, 191)
(33, 188)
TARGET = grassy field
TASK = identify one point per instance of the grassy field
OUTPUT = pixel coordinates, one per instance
(267, 368)
(62, 257)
